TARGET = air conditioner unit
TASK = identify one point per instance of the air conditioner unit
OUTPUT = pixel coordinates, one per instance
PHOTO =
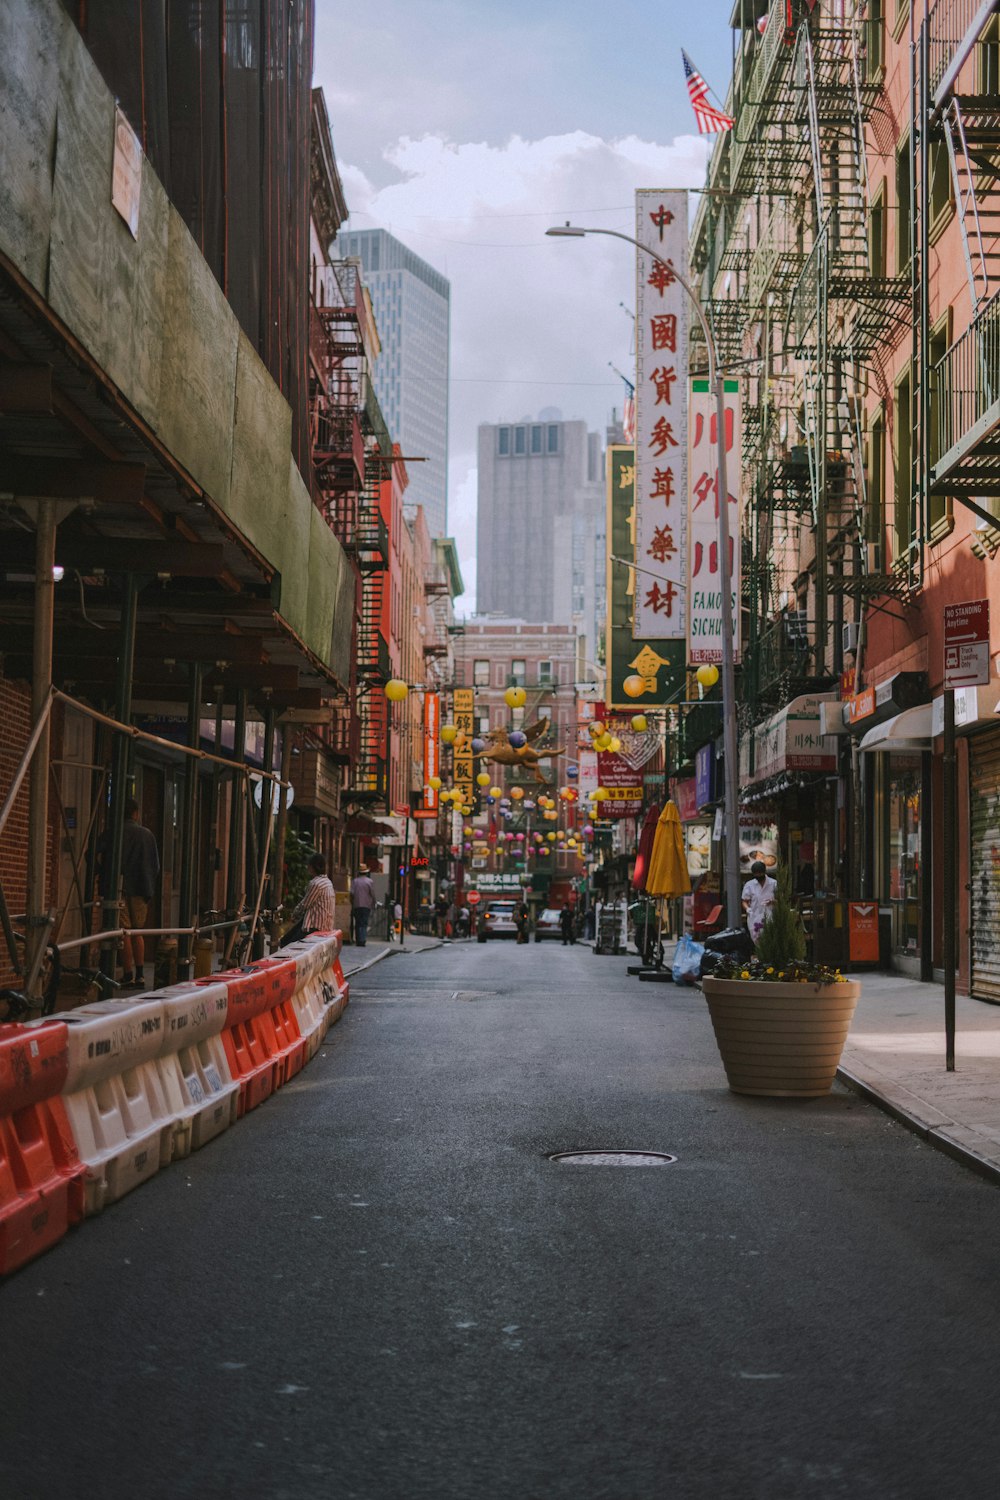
(849, 636)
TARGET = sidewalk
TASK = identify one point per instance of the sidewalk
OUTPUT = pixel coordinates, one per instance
(355, 959)
(895, 1055)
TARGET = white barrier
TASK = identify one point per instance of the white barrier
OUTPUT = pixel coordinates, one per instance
(318, 1000)
(197, 1084)
(114, 1098)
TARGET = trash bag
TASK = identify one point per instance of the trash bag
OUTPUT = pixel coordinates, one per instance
(687, 960)
(735, 942)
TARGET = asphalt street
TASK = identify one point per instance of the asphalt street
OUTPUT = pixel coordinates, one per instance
(379, 1285)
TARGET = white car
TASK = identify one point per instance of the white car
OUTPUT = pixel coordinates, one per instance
(499, 919)
(547, 924)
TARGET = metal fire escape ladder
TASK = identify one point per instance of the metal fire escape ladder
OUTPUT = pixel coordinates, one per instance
(967, 206)
(910, 553)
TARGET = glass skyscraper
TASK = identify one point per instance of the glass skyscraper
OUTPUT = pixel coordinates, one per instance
(412, 310)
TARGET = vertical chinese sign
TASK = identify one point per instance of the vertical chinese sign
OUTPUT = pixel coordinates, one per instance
(432, 752)
(705, 595)
(464, 723)
(660, 663)
(661, 403)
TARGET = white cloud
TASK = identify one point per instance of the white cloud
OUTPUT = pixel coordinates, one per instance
(534, 321)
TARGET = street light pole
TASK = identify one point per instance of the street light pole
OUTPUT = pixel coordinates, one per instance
(716, 379)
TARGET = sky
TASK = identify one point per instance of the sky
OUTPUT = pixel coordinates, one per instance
(467, 129)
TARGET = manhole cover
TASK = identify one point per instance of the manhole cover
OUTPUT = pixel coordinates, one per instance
(612, 1158)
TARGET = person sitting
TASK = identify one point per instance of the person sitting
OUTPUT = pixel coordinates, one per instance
(317, 911)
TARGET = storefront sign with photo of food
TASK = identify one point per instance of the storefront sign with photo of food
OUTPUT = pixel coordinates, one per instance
(698, 845)
(758, 840)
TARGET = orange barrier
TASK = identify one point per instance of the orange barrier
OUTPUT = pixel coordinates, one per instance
(261, 1038)
(41, 1175)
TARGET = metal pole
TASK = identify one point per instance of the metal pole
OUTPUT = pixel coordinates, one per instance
(119, 768)
(189, 854)
(278, 877)
(716, 379)
(926, 868)
(266, 824)
(234, 866)
(949, 907)
(41, 687)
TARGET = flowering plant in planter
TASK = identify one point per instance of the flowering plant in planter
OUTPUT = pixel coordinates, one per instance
(780, 1021)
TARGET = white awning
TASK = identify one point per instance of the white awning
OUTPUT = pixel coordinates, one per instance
(910, 730)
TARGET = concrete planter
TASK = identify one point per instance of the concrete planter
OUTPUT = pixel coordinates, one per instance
(783, 1040)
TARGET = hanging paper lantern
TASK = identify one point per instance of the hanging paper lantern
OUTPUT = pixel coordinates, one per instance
(478, 745)
(515, 697)
(434, 782)
(517, 739)
(593, 796)
(496, 792)
(543, 850)
(572, 772)
(634, 686)
(466, 812)
(517, 792)
(509, 836)
(529, 806)
(448, 733)
(589, 830)
(483, 779)
(615, 745)
(519, 837)
(597, 728)
(603, 741)
(467, 848)
(707, 675)
(551, 837)
(640, 723)
(467, 831)
(396, 690)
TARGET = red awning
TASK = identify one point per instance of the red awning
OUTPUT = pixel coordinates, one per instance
(360, 827)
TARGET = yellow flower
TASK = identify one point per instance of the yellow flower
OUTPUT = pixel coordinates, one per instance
(770, 970)
(744, 973)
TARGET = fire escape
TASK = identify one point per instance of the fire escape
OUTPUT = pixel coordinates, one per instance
(351, 453)
(956, 448)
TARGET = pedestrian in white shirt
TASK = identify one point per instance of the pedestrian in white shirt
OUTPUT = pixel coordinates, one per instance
(758, 894)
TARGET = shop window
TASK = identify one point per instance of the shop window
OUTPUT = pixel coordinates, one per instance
(481, 673)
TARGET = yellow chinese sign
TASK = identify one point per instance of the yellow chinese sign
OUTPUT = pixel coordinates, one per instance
(464, 721)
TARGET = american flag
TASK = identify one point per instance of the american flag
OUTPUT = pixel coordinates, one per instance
(709, 119)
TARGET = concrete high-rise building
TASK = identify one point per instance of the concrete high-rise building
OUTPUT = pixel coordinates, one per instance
(412, 305)
(541, 529)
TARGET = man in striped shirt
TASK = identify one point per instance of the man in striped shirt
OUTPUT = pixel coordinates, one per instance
(317, 909)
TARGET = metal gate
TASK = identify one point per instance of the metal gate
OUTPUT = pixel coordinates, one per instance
(984, 864)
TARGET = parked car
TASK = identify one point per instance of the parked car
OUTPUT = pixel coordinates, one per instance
(499, 919)
(547, 924)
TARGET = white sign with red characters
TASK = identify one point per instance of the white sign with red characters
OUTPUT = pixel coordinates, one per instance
(661, 409)
(704, 592)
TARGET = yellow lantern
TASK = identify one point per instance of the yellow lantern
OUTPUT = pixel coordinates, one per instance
(551, 837)
(640, 723)
(603, 741)
(396, 690)
(634, 685)
(468, 832)
(496, 791)
(466, 812)
(515, 697)
(483, 779)
(707, 675)
(434, 782)
(601, 793)
(593, 796)
(597, 728)
(516, 793)
(448, 733)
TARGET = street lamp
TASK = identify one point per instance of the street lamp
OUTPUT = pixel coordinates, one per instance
(716, 380)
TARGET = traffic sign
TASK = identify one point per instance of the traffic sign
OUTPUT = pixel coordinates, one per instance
(473, 898)
(967, 644)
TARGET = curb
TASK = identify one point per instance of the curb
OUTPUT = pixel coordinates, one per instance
(389, 953)
(938, 1136)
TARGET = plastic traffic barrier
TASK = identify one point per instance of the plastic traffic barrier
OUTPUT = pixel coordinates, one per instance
(199, 1090)
(41, 1175)
(321, 989)
(114, 1096)
(259, 1048)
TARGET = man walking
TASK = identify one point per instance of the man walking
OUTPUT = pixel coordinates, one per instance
(362, 905)
(567, 926)
(140, 868)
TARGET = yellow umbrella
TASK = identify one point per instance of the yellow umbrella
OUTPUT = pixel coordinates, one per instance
(668, 873)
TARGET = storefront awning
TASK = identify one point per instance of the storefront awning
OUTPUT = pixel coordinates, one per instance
(789, 741)
(910, 730)
(360, 827)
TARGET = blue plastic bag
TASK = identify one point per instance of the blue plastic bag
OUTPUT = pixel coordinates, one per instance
(687, 960)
